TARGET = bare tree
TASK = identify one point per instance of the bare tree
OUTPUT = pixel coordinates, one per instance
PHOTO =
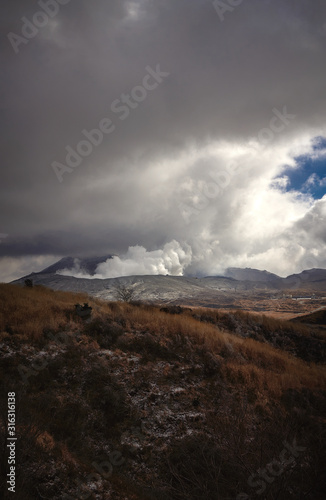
(123, 292)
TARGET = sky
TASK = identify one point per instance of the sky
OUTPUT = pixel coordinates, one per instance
(182, 136)
(309, 176)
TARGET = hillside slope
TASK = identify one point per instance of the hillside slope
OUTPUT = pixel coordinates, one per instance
(136, 403)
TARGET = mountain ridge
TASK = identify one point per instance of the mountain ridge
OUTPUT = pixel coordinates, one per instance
(250, 274)
(267, 293)
(89, 265)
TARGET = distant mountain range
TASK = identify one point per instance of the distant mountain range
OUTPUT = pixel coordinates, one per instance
(206, 291)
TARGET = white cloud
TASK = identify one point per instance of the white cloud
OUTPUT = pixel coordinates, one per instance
(172, 259)
(314, 180)
(281, 182)
(311, 181)
(247, 220)
(212, 110)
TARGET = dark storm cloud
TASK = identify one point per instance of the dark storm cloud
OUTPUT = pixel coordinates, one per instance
(224, 80)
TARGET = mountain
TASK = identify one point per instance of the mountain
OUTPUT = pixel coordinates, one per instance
(312, 279)
(151, 287)
(249, 274)
(88, 264)
(247, 289)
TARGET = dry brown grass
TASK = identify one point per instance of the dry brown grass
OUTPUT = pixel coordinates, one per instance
(259, 365)
(255, 364)
(82, 400)
(28, 311)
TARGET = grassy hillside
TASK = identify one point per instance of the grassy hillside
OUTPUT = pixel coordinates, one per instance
(138, 403)
(317, 318)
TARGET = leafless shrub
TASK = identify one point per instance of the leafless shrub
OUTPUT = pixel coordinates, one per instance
(124, 293)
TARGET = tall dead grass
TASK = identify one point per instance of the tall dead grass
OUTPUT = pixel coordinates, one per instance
(29, 311)
(247, 361)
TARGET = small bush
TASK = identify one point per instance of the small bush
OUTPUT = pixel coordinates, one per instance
(105, 332)
(198, 470)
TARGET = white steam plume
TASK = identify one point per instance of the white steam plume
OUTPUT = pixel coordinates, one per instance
(172, 259)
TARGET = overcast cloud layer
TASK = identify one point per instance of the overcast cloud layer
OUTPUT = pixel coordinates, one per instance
(189, 176)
